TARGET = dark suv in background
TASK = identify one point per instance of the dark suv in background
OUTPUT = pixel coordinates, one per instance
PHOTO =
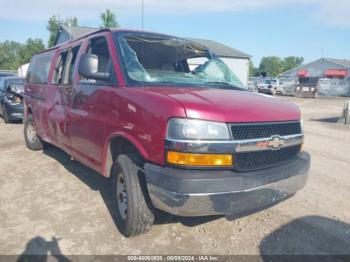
(5, 74)
(11, 98)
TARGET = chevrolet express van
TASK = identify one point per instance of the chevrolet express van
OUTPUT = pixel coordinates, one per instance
(191, 141)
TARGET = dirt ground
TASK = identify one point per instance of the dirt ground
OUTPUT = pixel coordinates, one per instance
(49, 203)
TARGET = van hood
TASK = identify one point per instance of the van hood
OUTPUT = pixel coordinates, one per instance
(230, 105)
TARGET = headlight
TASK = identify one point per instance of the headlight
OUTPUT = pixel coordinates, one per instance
(192, 129)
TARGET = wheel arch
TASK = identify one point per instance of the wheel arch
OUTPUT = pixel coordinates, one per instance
(120, 143)
(28, 110)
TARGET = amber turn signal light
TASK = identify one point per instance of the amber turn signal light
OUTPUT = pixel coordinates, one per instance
(190, 159)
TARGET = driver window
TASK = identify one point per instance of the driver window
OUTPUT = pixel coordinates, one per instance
(98, 46)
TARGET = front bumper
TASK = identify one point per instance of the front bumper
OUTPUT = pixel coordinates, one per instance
(186, 192)
(265, 90)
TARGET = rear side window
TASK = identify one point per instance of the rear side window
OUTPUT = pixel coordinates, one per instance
(70, 68)
(38, 71)
(64, 68)
(59, 68)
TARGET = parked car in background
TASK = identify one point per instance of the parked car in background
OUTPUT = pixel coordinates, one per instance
(11, 98)
(191, 142)
(288, 85)
(307, 87)
(270, 86)
(253, 85)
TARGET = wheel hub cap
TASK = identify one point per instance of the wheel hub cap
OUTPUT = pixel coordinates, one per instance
(122, 196)
(31, 132)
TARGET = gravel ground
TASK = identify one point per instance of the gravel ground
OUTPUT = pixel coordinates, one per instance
(52, 204)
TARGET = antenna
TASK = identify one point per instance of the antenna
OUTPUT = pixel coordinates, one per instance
(142, 8)
(142, 51)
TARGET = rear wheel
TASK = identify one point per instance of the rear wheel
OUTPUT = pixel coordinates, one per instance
(33, 141)
(133, 213)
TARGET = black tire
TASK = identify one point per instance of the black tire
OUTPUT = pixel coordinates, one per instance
(4, 114)
(138, 217)
(33, 141)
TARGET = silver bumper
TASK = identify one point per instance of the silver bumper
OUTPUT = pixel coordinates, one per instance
(236, 202)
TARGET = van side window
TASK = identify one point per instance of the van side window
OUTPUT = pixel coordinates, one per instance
(38, 71)
(98, 46)
(64, 69)
(73, 58)
(59, 68)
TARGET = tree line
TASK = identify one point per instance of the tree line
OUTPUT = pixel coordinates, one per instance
(274, 65)
(14, 54)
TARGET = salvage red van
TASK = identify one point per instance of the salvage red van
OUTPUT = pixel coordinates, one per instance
(168, 122)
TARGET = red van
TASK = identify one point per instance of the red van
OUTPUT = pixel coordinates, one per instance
(167, 121)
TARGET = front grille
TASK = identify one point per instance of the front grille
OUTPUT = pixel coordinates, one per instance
(263, 130)
(262, 159)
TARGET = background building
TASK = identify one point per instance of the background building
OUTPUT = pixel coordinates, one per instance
(333, 75)
(322, 68)
(236, 60)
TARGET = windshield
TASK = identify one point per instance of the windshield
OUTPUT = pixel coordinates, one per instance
(270, 82)
(158, 60)
(16, 82)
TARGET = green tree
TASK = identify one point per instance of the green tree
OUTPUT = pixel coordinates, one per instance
(13, 54)
(53, 25)
(31, 47)
(9, 55)
(253, 71)
(291, 62)
(272, 65)
(108, 19)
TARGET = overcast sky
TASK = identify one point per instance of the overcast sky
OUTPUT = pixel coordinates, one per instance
(309, 28)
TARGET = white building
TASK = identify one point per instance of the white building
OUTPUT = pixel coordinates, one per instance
(236, 60)
(22, 70)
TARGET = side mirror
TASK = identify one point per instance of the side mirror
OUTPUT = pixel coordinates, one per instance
(88, 67)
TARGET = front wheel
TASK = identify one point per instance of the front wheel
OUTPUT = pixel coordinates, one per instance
(33, 141)
(133, 212)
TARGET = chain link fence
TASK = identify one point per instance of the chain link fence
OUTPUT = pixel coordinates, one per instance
(326, 86)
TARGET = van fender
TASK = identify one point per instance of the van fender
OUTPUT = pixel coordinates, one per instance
(107, 158)
(27, 109)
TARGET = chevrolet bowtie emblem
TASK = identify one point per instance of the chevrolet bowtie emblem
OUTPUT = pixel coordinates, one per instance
(275, 142)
